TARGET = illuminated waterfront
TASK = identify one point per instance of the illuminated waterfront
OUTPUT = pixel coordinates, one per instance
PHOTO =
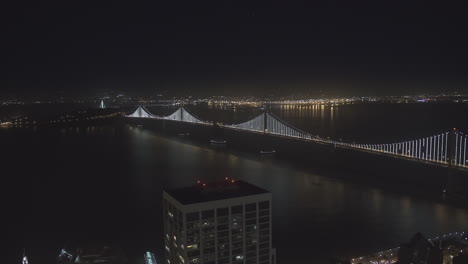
(101, 173)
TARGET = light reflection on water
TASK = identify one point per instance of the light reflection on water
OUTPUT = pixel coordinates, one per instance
(366, 123)
(106, 182)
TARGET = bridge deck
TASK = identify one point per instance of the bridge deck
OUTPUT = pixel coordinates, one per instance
(435, 150)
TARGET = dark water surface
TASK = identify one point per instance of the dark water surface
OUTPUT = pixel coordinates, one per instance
(105, 183)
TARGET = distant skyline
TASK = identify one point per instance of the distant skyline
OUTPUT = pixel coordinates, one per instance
(236, 48)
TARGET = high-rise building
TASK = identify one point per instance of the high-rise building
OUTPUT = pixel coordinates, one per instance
(218, 223)
(149, 258)
(99, 253)
(460, 259)
(64, 257)
(419, 250)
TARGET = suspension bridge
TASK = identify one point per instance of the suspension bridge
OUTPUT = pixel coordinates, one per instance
(447, 149)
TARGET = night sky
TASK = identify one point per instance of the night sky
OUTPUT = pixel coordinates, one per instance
(235, 47)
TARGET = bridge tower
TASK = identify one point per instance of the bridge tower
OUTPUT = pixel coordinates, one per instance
(266, 143)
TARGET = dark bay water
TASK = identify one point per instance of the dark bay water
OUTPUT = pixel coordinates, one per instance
(105, 183)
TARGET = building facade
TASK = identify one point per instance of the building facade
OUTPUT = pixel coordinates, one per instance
(218, 223)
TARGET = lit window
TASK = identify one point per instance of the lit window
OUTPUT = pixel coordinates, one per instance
(240, 257)
(194, 246)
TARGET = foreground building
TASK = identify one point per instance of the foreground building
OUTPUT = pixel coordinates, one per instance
(460, 259)
(420, 250)
(65, 257)
(150, 258)
(102, 254)
(218, 223)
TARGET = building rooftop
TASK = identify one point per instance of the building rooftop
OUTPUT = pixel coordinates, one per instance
(205, 192)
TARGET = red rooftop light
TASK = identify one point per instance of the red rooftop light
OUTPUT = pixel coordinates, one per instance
(232, 181)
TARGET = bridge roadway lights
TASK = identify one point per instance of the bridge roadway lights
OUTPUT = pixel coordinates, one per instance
(446, 148)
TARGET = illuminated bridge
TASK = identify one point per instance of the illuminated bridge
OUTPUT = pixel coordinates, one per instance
(448, 149)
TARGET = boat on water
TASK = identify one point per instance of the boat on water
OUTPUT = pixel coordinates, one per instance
(218, 141)
(267, 151)
(184, 134)
(140, 126)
